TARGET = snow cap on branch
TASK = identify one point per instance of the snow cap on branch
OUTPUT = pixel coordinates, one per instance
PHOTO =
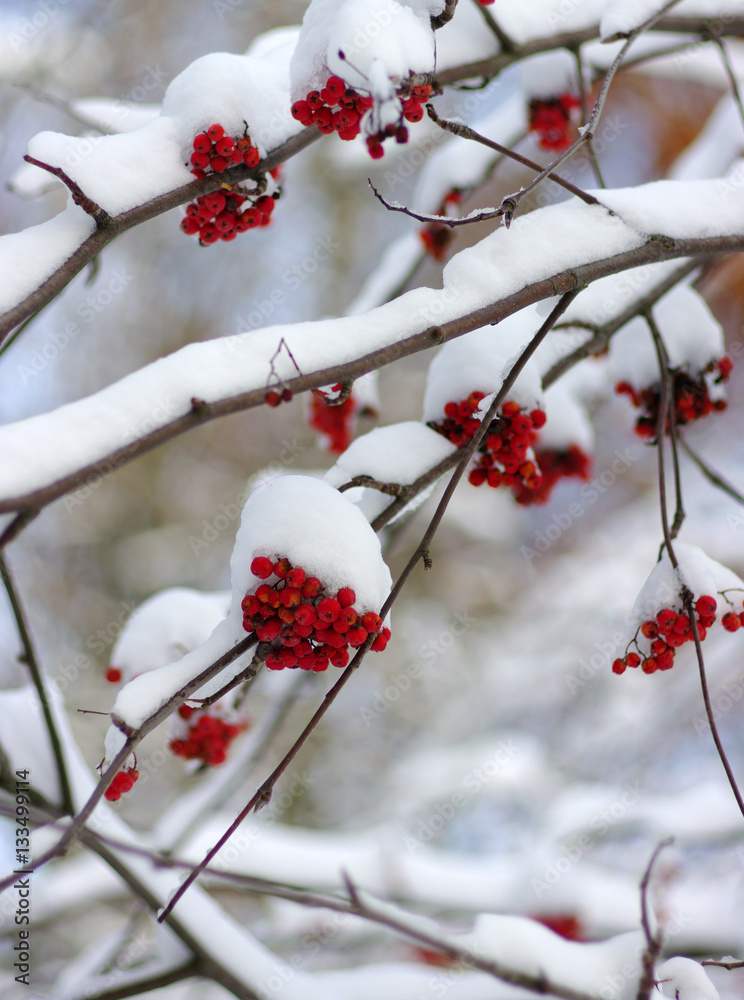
(684, 979)
(315, 527)
(480, 361)
(383, 43)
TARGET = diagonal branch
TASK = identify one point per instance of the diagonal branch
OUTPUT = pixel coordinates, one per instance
(31, 661)
(78, 195)
(655, 941)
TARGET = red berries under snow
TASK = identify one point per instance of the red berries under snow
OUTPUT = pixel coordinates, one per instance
(306, 627)
(691, 398)
(506, 457)
(336, 108)
(221, 215)
(671, 629)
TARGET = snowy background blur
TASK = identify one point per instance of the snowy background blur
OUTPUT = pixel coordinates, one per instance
(489, 761)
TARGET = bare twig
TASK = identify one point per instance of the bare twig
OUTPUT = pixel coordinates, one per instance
(32, 663)
(446, 16)
(466, 132)
(724, 965)
(585, 111)
(78, 195)
(690, 611)
(16, 526)
(666, 416)
(711, 475)
(507, 44)
(733, 82)
(654, 942)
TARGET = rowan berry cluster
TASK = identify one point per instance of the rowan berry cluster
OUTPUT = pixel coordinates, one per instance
(305, 626)
(691, 398)
(334, 421)
(221, 215)
(554, 464)
(554, 121)
(436, 236)
(670, 629)
(123, 782)
(503, 455)
(207, 739)
(336, 108)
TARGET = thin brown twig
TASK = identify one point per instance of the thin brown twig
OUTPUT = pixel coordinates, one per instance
(667, 415)
(466, 132)
(16, 526)
(505, 41)
(733, 82)
(654, 942)
(710, 474)
(79, 196)
(724, 965)
(585, 111)
(32, 663)
(690, 611)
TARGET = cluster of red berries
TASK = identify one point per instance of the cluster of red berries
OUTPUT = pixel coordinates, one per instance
(691, 398)
(552, 120)
(221, 215)
(554, 464)
(334, 422)
(335, 108)
(123, 782)
(503, 457)
(208, 737)
(671, 629)
(215, 151)
(436, 236)
(413, 111)
(306, 627)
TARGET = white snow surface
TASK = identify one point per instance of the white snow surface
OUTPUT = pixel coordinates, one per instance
(701, 574)
(41, 449)
(542, 18)
(399, 453)
(684, 979)
(383, 41)
(30, 257)
(623, 16)
(692, 336)
(167, 625)
(716, 148)
(548, 74)
(479, 362)
(568, 422)
(315, 527)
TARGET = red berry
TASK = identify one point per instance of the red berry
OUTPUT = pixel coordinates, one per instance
(618, 666)
(218, 164)
(346, 597)
(305, 614)
(538, 419)
(371, 621)
(282, 567)
(666, 619)
(328, 609)
(225, 146)
(374, 148)
(302, 112)
(291, 597)
(706, 606)
(650, 629)
(200, 160)
(186, 711)
(215, 132)
(649, 665)
(273, 398)
(202, 143)
(251, 157)
(269, 630)
(632, 659)
(312, 587)
(731, 621)
(113, 675)
(356, 635)
(262, 567)
(477, 477)
(378, 646)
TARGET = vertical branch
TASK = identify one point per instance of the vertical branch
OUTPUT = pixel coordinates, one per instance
(585, 111)
(653, 941)
(667, 414)
(730, 73)
(661, 356)
(29, 657)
